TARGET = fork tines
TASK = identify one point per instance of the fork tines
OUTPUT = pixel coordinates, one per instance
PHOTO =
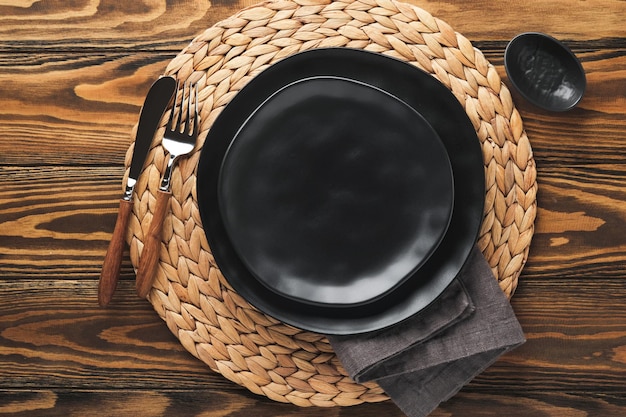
(184, 120)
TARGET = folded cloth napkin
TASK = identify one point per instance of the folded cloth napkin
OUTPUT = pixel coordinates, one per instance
(429, 357)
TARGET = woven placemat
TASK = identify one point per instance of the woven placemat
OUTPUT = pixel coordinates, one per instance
(211, 320)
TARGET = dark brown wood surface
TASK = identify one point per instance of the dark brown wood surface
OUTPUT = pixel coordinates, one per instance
(72, 78)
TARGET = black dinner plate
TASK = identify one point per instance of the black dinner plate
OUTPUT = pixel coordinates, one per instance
(334, 192)
(408, 295)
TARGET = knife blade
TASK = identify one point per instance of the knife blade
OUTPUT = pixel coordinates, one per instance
(158, 99)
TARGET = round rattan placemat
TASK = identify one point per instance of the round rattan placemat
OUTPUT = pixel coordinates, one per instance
(211, 320)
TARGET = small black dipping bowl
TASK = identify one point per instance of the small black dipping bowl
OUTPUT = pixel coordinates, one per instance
(545, 71)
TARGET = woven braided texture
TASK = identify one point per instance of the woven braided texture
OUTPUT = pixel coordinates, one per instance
(211, 320)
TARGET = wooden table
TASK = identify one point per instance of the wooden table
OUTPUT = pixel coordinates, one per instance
(72, 80)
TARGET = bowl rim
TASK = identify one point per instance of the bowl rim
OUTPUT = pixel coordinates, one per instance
(566, 49)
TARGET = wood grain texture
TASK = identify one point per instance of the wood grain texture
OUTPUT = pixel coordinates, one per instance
(146, 271)
(114, 19)
(70, 212)
(73, 76)
(165, 403)
(112, 264)
(150, 403)
(54, 336)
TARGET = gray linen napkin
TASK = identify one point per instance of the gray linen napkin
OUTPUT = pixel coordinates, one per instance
(429, 357)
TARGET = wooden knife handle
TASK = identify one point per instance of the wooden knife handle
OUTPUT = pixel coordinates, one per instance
(152, 246)
(113, 259)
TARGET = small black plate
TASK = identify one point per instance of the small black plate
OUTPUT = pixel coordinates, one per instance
(335, 192)
(428, 97)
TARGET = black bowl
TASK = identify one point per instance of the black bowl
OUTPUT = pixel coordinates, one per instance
(545, 71)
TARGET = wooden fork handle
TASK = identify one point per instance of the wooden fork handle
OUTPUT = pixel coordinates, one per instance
(152, 246)
(113, 259)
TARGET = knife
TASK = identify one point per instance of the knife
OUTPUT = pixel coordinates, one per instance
(159, 97)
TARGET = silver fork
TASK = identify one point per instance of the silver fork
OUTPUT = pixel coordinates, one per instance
(179, 139)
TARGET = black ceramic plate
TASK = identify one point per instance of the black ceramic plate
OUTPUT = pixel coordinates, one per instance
(436, 104)
(335, 192)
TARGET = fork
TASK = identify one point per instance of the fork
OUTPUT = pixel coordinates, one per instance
(179, 139)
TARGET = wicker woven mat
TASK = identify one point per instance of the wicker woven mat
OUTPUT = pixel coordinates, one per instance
(212, 321)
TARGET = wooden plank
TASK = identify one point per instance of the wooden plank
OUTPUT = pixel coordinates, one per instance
(79, 115)
(212, 403)
(82, 112)
(123, 358)
(485, 19)
(90, 91)
(150, 403)
(579, 226)
(55, 335)
(117, 20)
(56, 221)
